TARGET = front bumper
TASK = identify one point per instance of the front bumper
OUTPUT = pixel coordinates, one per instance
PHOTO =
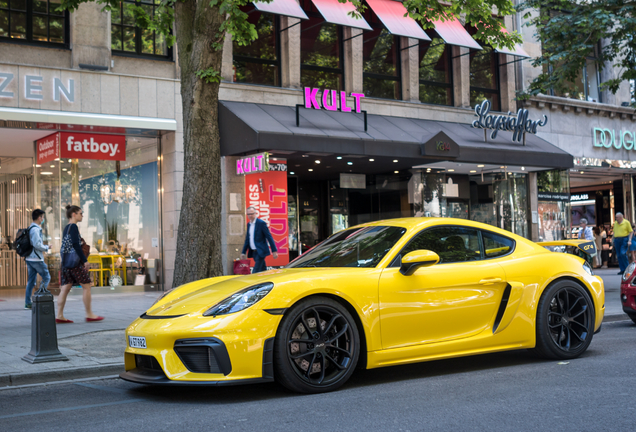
(628, 298)
(231, 349)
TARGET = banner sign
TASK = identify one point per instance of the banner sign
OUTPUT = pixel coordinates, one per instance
(267, 192)
(81, 146)
(518, 125)
(253, 164)
(48, 148)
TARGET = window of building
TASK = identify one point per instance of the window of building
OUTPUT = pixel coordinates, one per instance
(33, 21)
(484, 78)
(259, 61)
(451, 243)
(436, 86)
(381, 60)
(126, 38)
(321, 61)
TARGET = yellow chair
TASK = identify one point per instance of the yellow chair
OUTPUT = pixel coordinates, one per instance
(97, 272)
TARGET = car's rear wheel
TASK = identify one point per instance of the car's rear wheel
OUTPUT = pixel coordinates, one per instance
(565, 321)
(317, 346)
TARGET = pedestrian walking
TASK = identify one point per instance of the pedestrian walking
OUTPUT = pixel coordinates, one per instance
(74, 268)
(35, 260)
(631, 244)
(256, 241)
(598, 240)
(622, 230)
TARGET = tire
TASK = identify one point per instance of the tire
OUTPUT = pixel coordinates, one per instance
(321, 359)
(565, 321)
(633, 317)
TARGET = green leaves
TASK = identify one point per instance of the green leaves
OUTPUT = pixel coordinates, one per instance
(209, 75)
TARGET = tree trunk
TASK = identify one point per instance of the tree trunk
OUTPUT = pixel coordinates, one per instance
(199, 236)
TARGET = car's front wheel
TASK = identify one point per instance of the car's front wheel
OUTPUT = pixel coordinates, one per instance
(633, 317)
(565, 321)
(317, 346)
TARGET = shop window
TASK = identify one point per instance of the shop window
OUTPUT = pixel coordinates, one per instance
(435, 73)
(554, 208)
(381, 61)
(259, 61)
(484, 78)
(452, 244)
(321, 61)
(34, 21)
(128, 39)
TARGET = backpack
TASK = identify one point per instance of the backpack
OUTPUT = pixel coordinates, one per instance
(22, 243)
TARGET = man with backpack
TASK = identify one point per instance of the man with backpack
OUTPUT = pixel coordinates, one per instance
(35, 258)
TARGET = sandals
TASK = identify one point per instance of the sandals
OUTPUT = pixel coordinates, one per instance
(63, 321)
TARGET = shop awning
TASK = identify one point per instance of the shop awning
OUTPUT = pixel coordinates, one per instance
(251, 128)
(391, 13)
(335, 12)
(288, 8)
(453, 33)
(517, 51)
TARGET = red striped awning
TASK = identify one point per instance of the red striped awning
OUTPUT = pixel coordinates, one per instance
(517, 51)
(335, 12)
(288, 8)
(454, 33)
(392, 14)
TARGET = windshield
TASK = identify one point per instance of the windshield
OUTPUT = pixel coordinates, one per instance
(357, 247)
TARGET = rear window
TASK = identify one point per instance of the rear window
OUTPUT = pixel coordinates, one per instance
(496, 245)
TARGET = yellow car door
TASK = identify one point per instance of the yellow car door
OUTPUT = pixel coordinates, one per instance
(456, 298)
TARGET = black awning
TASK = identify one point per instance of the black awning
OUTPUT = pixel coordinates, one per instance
(248, 128)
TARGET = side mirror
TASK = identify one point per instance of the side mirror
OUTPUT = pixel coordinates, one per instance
(416, 259)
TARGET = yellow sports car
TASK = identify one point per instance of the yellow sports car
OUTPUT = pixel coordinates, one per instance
(378, 294)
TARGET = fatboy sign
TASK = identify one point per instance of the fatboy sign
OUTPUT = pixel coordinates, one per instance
(331, 100)
(82, 146)
(518, 125)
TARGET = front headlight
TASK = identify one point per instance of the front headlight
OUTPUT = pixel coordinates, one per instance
(240, 300)
(588, 269)
(629, 271)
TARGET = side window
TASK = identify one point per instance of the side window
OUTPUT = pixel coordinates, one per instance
(496, 245)
(451, 243)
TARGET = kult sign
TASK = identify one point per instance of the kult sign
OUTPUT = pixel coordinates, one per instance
(330, 100)
(607, 138)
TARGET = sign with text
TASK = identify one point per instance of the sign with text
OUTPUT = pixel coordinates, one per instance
(81, 146)
(331, 100)
(253, 164)
(553, 196)
(608, 138)
(48, 148)
(267, 192)
(440, 146)
(518, 125)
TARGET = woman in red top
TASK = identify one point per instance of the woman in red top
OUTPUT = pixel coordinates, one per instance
(78, 275)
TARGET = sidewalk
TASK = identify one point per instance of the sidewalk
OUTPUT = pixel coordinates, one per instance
(93, 349)
(97, 349)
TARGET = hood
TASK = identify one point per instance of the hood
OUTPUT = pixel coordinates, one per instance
(199, 296)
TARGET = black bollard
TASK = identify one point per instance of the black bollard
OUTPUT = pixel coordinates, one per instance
(43, 330)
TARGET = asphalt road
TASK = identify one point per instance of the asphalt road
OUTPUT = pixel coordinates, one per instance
(496, 392)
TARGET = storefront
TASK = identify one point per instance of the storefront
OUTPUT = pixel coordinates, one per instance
(345, 167)
(109, 165)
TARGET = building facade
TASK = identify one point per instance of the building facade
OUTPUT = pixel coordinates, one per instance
(326, 121)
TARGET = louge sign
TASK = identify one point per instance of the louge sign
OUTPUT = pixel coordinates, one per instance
(518, 125)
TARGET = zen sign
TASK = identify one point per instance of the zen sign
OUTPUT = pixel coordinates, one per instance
(518, 125)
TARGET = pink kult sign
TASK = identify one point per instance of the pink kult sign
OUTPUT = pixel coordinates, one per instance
(331, 100)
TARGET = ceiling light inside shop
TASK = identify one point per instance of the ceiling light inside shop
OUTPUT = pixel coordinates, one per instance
(473, 171)
(52, 166)
(451, 170)
(70, 160)
(63, 169)
(292, 173)
(349, 163)
(480, 166)
(46, 173)
(502, 167)
(395, 160)
(310, 169)
(523, 168)
(339, 157)
(582, 172)
(38, 166)
(305, 155)
(371, 160)
(317, 161)
(56, 159)
(396, 172)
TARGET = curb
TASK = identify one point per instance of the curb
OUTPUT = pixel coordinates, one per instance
(614, 318)
(60, 375)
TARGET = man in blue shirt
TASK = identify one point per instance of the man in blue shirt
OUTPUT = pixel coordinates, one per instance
(585, 232)
(256, 240)
(35, 261)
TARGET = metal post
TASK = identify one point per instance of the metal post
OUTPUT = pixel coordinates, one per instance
(43, 330)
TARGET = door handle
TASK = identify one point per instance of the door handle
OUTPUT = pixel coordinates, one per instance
(489, 281)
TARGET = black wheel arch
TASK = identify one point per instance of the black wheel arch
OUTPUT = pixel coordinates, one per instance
(362, 361)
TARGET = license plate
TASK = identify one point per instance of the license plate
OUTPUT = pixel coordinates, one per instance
(137, 342)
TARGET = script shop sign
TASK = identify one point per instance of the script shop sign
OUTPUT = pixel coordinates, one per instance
(519, 125)
(81, 146)
(267, 192)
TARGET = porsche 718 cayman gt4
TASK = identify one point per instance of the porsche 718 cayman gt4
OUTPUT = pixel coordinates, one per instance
(378, 294)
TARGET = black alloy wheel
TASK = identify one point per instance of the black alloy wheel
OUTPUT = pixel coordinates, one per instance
(317, 346)
(565, 321)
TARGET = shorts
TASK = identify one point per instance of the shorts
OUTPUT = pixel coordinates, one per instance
(75, 276)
